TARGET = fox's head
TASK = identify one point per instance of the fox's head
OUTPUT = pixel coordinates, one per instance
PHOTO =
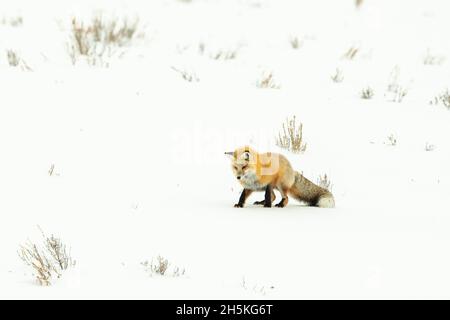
(243, 162)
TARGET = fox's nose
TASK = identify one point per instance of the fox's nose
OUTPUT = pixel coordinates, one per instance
(238, 177)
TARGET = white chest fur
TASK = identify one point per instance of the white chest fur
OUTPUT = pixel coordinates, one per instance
(251, 181)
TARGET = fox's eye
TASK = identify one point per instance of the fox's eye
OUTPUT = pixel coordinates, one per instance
(243, 168)
(235, 168)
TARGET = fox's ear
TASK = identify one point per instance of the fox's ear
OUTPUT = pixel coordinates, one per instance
(230, 154)
(246, 156)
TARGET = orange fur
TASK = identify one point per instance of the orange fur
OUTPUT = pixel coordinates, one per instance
(257, 171)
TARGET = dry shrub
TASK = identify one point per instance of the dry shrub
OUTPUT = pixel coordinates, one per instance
(201, 47)
(267, 81)
(324, 182)
(215, 53)
(100, 38)
(429, 147)
(443, 98)
(222, 54)
(256, 288)
(337, 77)
(398, 93)
(43, 269)
(51, 170)
(351, 53)
(48, 260)
(391, 140)
(291, 137)
(12, 21)
(367, 93)
(431, 59)
(395, 91)
(59, 252)
(162, 267)
(295, 42)
(189, 76)
(15, 61)
(13, 58)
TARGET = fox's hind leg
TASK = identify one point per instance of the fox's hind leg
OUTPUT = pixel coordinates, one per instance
(284, 198)
(262, 202)
(244, 195)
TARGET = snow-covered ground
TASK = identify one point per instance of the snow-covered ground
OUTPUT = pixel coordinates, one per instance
(138, 160)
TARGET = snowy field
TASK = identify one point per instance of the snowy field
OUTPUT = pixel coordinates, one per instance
(121, 153)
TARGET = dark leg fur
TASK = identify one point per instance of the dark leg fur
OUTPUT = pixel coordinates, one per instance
(282, 203)
(262, 202)
(244, 195)
(268, 197)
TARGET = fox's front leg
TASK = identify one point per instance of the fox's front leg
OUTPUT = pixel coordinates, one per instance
(268, 196)
(244, 195)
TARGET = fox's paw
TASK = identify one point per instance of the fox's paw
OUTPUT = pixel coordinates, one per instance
(267, 205)
(282, 203)
(238, 205)
(259, 203)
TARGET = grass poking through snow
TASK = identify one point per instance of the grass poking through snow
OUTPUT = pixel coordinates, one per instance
(367, 93)
(443, 98)
(337, 76)
(291, 136)
(391, 140)
(324, 182)
(162, 267)
(267, 81)
(189, 76)
(48, 260)
(15, 61)
(100, 38)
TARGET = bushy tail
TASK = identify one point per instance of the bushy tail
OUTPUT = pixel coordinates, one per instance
(309, 192)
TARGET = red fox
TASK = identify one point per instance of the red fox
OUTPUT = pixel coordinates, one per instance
(269, 171)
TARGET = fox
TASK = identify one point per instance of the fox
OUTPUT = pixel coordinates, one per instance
(272, 171)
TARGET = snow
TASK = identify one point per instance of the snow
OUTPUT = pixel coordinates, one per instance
(139, 169)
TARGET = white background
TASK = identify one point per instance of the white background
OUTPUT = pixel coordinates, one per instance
(138, 151)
